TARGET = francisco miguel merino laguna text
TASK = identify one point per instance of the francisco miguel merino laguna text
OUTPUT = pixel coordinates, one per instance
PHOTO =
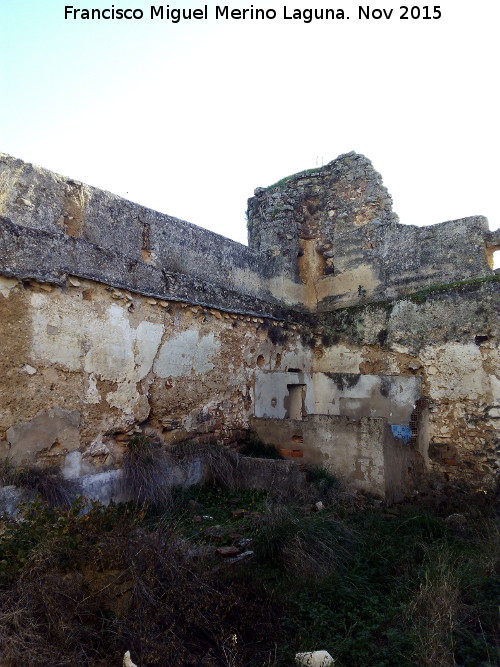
(175, 14)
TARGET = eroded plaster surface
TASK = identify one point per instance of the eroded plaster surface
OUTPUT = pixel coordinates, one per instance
(326, 334)
(187, 353)
(354, 450)
(455, 371)
(351, 395)
(100, 341)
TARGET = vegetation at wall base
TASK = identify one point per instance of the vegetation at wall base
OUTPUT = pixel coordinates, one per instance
(47, 482)
(374, 585)
(146, 472)
(252, 446)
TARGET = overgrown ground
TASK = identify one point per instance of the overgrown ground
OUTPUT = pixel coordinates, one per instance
(374, 586)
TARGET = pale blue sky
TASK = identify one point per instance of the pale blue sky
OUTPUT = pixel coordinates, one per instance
(190, 118)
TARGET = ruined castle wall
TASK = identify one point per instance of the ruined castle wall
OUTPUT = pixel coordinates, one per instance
(363, 452)
(60, 226)
(380, 263)
(323, 203)
(27, 254)
(84, 366)
(115, 319)
(351, 423)
(351, 395)
(427, 366)
(336, 224)
(449, 339)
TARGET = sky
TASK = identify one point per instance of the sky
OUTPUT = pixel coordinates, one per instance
(189, 118)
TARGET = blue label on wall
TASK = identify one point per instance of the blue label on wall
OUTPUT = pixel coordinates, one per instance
(402, 432)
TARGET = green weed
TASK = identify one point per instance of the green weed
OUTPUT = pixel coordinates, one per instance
(372, 585)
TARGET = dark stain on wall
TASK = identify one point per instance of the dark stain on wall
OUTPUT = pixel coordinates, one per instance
(344, 380)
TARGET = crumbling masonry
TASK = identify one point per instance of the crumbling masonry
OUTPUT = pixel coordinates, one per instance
(340, 335)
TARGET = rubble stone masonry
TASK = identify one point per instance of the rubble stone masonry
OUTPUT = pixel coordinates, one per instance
(340, 335)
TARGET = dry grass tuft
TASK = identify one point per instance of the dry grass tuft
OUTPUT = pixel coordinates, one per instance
(129, 590)
(312, 546)
(223, 465)
(147, 475)
(443, 604)
(48, 482)
(433, 613)
(7, 472)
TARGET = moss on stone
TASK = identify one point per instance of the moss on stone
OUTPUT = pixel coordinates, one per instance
(421, 295)
(299, 174)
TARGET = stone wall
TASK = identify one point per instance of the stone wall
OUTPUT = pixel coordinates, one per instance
(336, 224)
(53, 226)
(340, 336)
(348, 394)
(449, 339)
(84, 365)
(363, 453)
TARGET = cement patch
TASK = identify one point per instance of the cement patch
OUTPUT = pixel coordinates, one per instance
(54, 430)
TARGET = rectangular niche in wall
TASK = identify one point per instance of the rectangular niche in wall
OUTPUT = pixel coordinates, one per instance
(296, 396)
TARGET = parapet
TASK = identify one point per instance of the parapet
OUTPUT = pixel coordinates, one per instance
(53, 226)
